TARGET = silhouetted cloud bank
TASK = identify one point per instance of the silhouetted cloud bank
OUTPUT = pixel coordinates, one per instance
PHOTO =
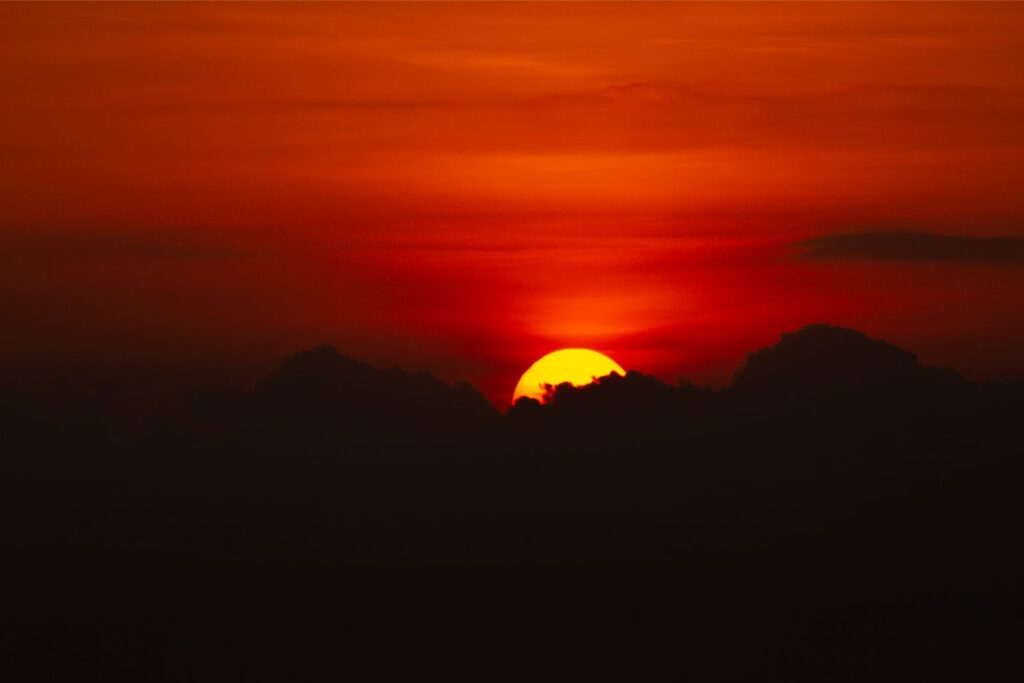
(338, 519)
(914, 246)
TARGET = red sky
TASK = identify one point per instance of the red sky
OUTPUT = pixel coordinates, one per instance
(464, 187)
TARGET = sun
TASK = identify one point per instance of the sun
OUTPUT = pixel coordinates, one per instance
(575, 366)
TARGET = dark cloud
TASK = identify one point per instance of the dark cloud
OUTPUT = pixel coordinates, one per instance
(837, 486)
(914, 246)
(323, 397)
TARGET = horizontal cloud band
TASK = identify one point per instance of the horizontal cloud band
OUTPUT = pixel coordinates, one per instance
(914, 246)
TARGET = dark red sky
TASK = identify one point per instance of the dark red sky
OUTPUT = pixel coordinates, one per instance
(464, 187)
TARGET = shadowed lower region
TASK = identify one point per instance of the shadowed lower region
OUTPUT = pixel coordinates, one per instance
(838, 512)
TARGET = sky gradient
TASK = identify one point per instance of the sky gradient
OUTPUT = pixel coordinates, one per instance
(463, 188)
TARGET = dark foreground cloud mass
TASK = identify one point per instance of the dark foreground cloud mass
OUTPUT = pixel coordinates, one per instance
(914, 246)
(841, 512)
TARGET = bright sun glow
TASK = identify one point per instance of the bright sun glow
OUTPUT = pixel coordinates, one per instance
(576, 366)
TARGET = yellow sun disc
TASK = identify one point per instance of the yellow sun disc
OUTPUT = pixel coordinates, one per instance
(575, 366)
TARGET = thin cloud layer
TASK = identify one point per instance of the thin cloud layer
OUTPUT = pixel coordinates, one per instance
(914, 246)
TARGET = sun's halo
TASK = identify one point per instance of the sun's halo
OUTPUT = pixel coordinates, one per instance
(575, 366)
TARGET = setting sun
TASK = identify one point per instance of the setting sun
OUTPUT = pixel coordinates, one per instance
(575, 366)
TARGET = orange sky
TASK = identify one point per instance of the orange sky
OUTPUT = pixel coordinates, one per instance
(464, 187)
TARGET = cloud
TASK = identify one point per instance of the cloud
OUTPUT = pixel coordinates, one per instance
(914, 246)
(323, 397)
